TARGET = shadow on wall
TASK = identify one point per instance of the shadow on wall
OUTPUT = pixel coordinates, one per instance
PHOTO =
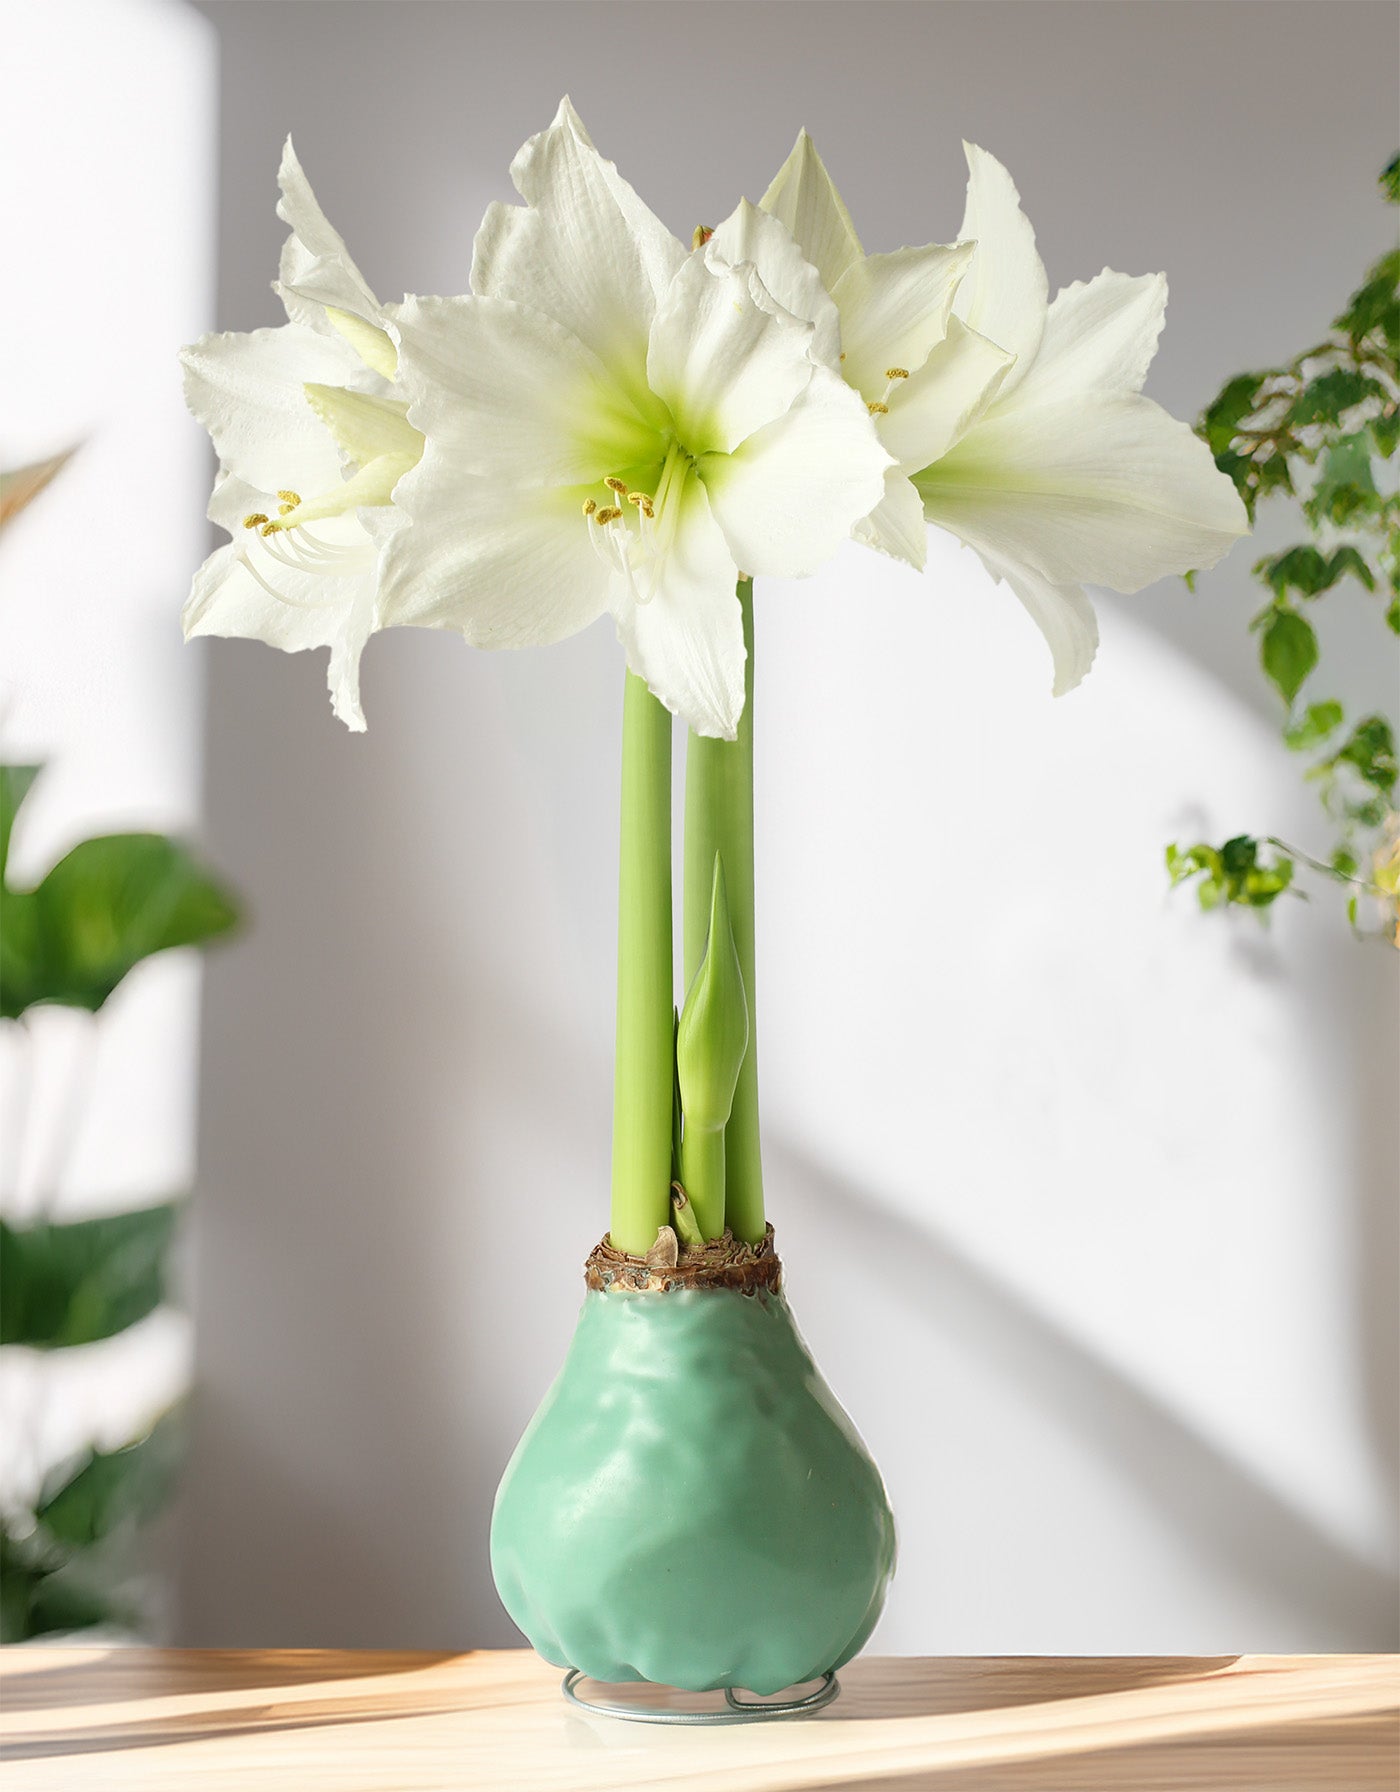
(1225, 1509)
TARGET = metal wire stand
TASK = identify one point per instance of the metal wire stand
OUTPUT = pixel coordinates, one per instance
(737, 1711)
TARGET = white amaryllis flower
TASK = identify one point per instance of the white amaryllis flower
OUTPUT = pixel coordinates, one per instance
(616, 424)
(312, 436)
(887, 320)
(1023, 430)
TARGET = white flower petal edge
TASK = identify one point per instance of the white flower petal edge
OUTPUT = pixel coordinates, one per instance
(1064, 474)
(311, 438)
(1100, 335)
(1105, 489)
(1004, 294)
(317, 276)
(628, 422)
(583, 249)
(804, 199)
(1062, 613)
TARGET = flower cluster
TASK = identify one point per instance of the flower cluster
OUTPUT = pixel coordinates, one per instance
(613, 423)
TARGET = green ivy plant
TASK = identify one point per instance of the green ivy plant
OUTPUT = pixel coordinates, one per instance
(1321, 434)
(72, 938)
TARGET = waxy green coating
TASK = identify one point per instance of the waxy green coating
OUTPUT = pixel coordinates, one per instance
(690, 1505)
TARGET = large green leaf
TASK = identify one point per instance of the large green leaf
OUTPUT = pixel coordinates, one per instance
(44, 1592)
(107, 1489)
(15, 781)
(105, 906)
(88, 1279)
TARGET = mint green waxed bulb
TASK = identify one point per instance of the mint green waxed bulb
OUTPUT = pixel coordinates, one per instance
(690, 1505)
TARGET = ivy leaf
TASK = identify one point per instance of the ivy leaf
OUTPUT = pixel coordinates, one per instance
(1319, 720)
(1390, 180)
(103, 908)
(1345, 485)
(1374, 306)
(88, 1279)
(1287, 652)
(79, 1505)
(1301, 569)
(1349, 559)
(1370, 752)
(1324, 399)
(1392, 615)
(1237, 399)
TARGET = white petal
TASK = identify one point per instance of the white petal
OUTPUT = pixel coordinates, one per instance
(247, 392)
(316, 269)
(749, 234)
(1004, 292)
(1062, 613)
(936, 405)
(242, 590)
(790, 495)
(687, 642)
(1108, 489)
(514, 396)
(584, 249)
(723, 360)
(364, 428)
(897, 525)
(504, 565)
(894, 309)
(1100, 335)
(804, 198)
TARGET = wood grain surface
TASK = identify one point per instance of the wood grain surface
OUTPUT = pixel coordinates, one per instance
(153, 1720)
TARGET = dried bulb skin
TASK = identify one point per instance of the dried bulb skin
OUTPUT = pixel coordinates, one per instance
(690, 1505)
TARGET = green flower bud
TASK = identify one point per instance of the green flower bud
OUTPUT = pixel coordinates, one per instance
(713, 1035)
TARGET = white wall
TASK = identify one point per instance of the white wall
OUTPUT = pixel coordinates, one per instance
(108, 146)
(1087, 1202)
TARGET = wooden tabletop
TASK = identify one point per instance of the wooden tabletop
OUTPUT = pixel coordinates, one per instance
(153, 1720)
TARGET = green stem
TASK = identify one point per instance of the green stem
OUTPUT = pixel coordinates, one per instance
(702, 1177)
(719, 818)
(644, 1083)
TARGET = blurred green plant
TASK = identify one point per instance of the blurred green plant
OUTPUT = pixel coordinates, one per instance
(1321, 433)
(109, 904)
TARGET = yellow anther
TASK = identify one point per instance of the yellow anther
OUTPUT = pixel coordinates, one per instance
(877, 409)
(609, 514)
(292, 498)
(589, 506)
(701, 235)
(643, 503)
(255, 520)
(285, 509)
(614, 484)
(896, 373)
(270, 528)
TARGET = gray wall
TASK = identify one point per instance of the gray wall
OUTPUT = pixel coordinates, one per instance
(406, 1065)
